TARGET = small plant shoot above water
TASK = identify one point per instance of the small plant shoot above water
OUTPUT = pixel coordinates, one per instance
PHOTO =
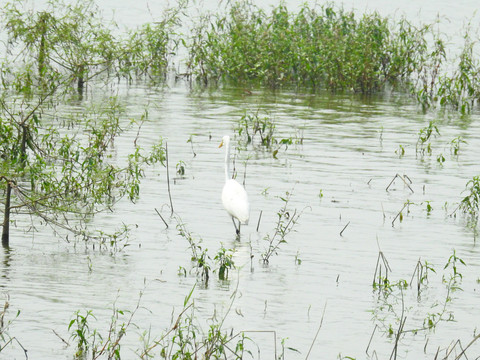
(455, 145)
(424, 146)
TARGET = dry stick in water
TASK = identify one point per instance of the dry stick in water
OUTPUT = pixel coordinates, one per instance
(400, 212)
(469, 344)
(378, 267)
(371, 337)
(419, 271)
(319, 327)
(341, 232)
(452, 347)
(168, 178)
(259, 218)
(161, 217)
(403, 179)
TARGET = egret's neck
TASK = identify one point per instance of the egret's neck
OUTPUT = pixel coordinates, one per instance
(227, 161)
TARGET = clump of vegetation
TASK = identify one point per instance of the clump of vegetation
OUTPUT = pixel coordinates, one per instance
(184, 339)
(95, 343)
(61, 177)
(73, 43)
(201, 259)
(320, 47)
(326, 47)
(252, 128)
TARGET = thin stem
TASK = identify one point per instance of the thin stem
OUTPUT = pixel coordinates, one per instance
(168, 179)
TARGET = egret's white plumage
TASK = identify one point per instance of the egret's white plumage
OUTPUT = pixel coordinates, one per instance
(234, 196)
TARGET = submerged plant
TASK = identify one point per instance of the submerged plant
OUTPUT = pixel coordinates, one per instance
(81, 333)
(251, 126)
(181, 168)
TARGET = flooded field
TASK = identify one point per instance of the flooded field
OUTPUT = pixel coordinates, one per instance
(368, 200)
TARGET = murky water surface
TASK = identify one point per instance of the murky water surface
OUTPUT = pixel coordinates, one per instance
(348, 155)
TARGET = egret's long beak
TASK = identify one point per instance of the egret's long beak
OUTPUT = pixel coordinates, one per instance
(221, 144)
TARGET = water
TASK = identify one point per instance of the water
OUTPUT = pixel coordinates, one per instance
(348, 153)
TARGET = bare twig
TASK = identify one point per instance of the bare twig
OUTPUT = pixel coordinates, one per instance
(63, 340)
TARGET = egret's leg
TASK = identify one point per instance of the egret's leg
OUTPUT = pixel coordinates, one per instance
(237, 230)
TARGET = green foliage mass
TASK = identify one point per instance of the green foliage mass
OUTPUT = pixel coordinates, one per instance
(320, 47)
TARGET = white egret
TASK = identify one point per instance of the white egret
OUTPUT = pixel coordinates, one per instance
(234, 196)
